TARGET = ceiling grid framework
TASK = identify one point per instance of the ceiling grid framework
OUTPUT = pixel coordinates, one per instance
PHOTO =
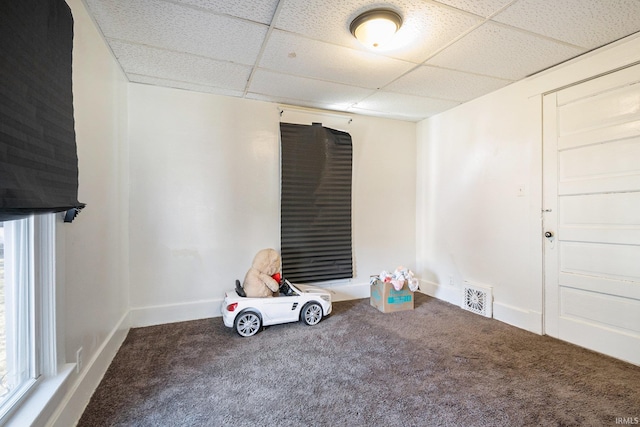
(301, 52)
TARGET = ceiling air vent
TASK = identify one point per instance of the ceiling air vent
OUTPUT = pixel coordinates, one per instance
(478, 299)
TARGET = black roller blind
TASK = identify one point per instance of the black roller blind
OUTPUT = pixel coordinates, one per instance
(38, 160)
(315, 203)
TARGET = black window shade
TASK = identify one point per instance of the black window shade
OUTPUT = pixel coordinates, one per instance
(315, 203)
(38, 160)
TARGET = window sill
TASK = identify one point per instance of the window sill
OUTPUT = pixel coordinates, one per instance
(43, 401)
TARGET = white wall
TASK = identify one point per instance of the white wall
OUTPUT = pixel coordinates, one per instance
(92, 252)
(205, 197)
(96, 258)
(479, 189)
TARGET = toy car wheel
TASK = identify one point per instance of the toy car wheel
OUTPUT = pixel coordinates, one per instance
(311, 313)
(247, 323)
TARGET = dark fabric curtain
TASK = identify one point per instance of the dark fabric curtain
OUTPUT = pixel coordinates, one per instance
(315, 203)
(38, 160)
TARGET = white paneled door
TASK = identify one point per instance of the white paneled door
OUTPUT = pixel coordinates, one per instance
(591, 214)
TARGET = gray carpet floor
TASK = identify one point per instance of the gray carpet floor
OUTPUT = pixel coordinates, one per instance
(436, 365)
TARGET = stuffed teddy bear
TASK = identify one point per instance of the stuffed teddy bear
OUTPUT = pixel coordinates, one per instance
(259, 283)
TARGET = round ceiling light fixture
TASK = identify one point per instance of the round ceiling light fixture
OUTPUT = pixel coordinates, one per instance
(375, 27)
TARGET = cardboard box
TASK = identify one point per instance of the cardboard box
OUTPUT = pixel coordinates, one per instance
(385, 298)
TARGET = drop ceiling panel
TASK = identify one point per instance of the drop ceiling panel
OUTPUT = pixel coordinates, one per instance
(484, 8)
(446, 84)
(301, 51)
(500, 51)
(255, 10)
(155, 81)
(407, 107)
(282, 86)
(426, 26)
(565, 20)
(292, 54)
(294, 102)
(174, 27)
(182, 67)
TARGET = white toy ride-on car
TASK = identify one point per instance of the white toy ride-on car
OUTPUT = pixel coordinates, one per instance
(294, 302)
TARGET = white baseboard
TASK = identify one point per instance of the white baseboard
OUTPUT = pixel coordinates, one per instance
(349, 291)
(171, 313)
(75, 401)
(524, 319)
(446, 293)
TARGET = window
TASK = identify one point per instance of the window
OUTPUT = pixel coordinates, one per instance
(27, 337)
(315, 202)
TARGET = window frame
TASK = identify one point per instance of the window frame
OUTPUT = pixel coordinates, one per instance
(41, 316)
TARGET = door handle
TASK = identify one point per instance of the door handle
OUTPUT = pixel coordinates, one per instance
(548, 234)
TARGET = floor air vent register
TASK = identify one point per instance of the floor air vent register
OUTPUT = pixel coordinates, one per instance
(477, 299)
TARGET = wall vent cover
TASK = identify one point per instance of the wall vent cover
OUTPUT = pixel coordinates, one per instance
(478, 299)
